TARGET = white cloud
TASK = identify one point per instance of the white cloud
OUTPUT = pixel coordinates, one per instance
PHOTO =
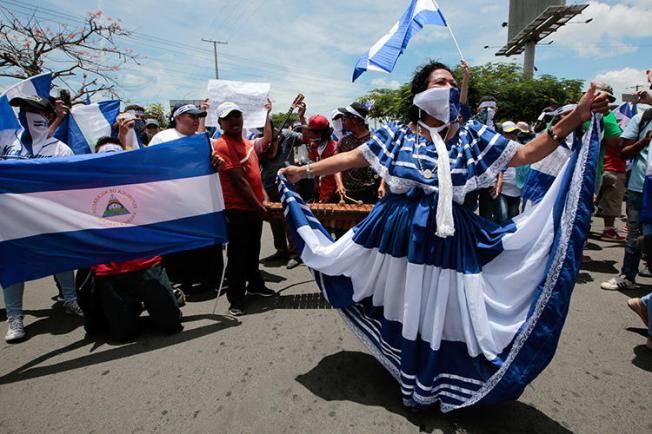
(387, 84)
(622, 80)
(611, 31)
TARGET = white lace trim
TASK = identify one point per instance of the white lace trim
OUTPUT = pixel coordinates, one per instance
(400, 185)
(567, 225)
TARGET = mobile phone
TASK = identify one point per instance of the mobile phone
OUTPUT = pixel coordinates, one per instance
(630, 97)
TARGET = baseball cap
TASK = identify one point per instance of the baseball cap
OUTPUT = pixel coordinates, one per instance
(224, 109)
(523, 126)
(34, 101)
(604, 87)
(150, 122)
(187, 109)
(317, 123)
(355, 109)
(509, 127)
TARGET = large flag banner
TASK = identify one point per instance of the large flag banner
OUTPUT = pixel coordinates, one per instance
(250, 97)
(66, 213)
(9, 126)
(382, 56)
(85, 124)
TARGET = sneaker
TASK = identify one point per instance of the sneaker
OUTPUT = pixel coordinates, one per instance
(180, 296)
(72, 307)
(645, 272)
(293, 263)
(611, 235)
(276, 257)
(262, 292)
(618, 283)
(15, 329)
(236, 311)
(640, 309)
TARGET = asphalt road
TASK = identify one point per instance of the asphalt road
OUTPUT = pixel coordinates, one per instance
(291, 365)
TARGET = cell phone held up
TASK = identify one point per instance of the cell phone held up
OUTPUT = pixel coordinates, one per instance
(630, 97)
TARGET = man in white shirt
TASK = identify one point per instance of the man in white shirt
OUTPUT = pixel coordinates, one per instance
(185, 121)
(35, 116)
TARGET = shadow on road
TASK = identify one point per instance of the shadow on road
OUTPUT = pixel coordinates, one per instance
(358, 377)
(607, 267)
(312, 300)
(51, 321)
(643, 357)
(584, 278)
(146, 343)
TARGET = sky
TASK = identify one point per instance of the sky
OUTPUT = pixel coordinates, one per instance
(312, 46)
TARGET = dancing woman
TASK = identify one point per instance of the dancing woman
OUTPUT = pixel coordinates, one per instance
(458, 309)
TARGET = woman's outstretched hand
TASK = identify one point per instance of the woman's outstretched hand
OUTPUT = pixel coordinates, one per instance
(592, 102)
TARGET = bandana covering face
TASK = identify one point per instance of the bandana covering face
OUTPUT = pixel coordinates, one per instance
(442, 103)
(35, 131)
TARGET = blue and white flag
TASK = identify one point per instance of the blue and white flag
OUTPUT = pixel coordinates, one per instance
(74, 212)
(85, 124)
(9, 127)
(383, 55)
(624, 113)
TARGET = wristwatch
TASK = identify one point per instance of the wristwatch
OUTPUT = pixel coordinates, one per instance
(308, 172)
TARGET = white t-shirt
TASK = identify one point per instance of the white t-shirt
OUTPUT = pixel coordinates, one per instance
(509, 183)
(165, 136)
(50, 148)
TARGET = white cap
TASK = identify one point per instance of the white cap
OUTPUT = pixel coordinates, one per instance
(224, 109)
(509, 127)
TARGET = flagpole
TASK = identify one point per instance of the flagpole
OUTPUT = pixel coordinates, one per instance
(455, 40)
(450, 30)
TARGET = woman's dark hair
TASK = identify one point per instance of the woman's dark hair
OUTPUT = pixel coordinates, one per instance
(419, 83)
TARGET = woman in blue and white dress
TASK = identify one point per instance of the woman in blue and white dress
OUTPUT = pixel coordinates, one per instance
(458, 309)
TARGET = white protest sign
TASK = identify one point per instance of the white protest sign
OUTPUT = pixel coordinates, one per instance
(251, 97)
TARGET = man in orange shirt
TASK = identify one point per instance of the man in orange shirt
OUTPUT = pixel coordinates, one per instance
(242, 186)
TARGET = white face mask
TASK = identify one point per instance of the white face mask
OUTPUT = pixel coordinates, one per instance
(442, 103)
(37, 125)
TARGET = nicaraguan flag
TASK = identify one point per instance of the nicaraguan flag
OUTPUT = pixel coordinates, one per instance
(74, 212)
(383, 55)
(624, 113)
(9, 126)
(85, 124)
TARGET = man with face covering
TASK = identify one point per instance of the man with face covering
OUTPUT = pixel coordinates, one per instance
(35, 116)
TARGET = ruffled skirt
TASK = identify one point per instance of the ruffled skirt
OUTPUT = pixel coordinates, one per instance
(469, 319)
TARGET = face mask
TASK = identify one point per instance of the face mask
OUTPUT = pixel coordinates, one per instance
(442, 103)
(36, 128)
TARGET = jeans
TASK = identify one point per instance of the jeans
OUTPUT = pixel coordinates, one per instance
(245, 229)
(513, 205)
(13, 294)
(121, 296)
(634, 232)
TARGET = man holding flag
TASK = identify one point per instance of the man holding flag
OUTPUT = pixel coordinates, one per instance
(35, 116)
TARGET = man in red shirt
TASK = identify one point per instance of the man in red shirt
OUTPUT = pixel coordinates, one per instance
(318, 134)
(242, 186)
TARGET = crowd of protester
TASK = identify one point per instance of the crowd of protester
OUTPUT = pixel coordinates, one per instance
(112, 296)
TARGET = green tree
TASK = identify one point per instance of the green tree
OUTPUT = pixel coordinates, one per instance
(278, 118)
(156, 111)
(518, 98)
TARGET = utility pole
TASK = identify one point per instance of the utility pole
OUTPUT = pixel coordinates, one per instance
(217, 71)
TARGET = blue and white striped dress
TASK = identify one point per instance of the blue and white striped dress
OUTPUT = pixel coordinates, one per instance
(464, 320)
